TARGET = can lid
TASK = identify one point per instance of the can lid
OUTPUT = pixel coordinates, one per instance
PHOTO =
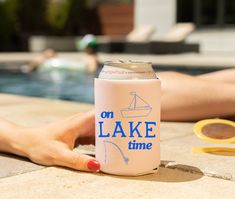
(127, 70)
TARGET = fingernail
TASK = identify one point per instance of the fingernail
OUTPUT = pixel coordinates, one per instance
(93, 165)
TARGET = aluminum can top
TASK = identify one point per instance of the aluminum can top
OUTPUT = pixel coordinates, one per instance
(127, 70)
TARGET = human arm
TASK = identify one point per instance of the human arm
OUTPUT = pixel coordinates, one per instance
(190, 98)
(52, 144)
(225, 76)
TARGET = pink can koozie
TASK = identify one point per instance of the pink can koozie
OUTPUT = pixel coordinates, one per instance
(127, 105)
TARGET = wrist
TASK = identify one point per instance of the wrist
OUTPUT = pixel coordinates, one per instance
(12, 139)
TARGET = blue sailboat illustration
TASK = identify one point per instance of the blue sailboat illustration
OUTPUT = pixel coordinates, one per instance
(138, 108)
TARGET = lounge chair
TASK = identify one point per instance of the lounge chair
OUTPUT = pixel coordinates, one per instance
(179, 32)
(117, 43)
(139, 41)
(173, 42)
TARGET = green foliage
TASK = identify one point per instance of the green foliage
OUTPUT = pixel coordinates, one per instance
(47, 16)
(8, 22)
(31, 14)
(11, 8)
(24, 14)
(66, 16)
(116, 1)
(77, 14)
(22, 18)
(57, 14)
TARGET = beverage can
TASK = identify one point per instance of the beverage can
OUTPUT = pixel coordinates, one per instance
(127, 108)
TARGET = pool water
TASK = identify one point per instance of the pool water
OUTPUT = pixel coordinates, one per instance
(66, 86)
(55, 85)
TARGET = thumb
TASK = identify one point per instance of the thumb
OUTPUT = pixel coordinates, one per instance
(82, 125)
(78, 161)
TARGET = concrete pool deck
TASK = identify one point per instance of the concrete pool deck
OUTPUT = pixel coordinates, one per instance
(184, 60)
(182, 174)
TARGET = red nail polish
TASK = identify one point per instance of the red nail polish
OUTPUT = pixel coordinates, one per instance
(93, 165)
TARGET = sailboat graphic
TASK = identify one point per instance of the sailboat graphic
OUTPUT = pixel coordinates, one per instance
(137, 108)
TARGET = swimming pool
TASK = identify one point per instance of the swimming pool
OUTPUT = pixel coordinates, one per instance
(65, 86)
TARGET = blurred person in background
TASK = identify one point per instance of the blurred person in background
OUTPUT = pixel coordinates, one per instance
(49, 61)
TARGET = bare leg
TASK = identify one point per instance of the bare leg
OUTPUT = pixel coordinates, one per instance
(227, 76)
(189, 98)
(91, 61)
(46, 54)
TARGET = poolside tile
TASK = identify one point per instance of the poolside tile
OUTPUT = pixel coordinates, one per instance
(34, 111)
(172, 130)
(182, 172)
(186, 59)
(61, 183)
(178, 152)
(13, 165)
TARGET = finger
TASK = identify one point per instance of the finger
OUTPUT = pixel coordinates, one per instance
(77, 126)
(74, 119)
(78, 161)
(82, 125)
(77, 116)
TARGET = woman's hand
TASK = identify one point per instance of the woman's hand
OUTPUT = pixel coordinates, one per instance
(52, 144)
